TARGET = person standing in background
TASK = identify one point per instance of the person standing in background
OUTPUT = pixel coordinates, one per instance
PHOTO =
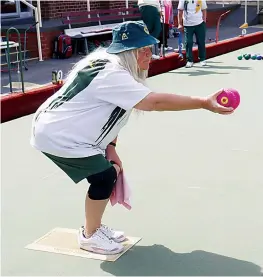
(192, 17)
(151, 15)
(166, 19)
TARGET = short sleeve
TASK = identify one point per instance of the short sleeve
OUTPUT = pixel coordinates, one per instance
(204, 5)
(181, 5)
(117, 86)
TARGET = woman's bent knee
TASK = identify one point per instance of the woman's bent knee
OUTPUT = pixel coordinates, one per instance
(102, 184)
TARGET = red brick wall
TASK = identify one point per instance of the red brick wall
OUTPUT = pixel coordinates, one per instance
(53, 9)
(31, 43)
(120, 4)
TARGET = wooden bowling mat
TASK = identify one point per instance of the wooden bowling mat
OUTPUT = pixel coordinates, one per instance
(64, 241)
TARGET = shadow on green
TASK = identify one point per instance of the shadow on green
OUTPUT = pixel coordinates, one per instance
(208, 70)
(157, 260)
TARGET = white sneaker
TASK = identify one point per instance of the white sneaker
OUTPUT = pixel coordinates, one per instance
(155, 57)
(117, 236)
(203, 63)
(98, 243)
(168, 48)
(189, 64)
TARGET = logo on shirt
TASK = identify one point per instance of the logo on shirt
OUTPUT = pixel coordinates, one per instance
(92, 64)
(198, 6)
(114, 118)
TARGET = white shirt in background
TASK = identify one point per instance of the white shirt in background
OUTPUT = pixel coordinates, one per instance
(154, 3)
(193, 15)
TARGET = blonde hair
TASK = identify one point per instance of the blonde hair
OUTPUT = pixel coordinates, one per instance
(127, 60)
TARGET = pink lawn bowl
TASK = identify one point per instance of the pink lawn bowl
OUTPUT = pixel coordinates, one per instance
(229, 98)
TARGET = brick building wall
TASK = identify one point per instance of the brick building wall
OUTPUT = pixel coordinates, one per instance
(54, 9)
(31, 41)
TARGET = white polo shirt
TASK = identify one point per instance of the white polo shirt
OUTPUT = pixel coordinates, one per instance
(192, 14)
(87, 113)
(154, 3)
